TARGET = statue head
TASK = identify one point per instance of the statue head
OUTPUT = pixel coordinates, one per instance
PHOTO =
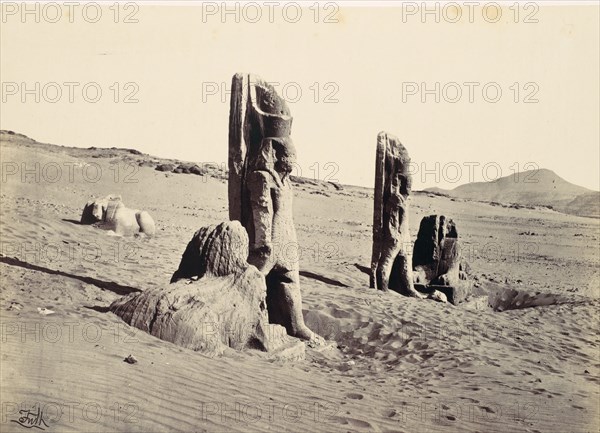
(99, 210)
(101, 205)
(285, 154)
(96, 210)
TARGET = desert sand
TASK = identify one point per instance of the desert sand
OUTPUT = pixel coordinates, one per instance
(397, 364)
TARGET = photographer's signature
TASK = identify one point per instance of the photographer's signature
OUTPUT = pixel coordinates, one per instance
(31, 418)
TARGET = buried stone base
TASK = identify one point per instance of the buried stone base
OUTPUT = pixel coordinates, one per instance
(216, 300)
(208, 316)
(454, 294)
(391, 263)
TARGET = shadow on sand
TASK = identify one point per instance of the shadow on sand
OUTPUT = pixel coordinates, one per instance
(107, 285)
(323, 279)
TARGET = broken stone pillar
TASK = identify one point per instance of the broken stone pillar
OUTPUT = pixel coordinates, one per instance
(215, 300)
(437, 260)
(261, 158)
(391, 262)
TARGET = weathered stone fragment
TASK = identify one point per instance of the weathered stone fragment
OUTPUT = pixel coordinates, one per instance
(437, 260)
(216, 300)
(391, 262)
(110, 213)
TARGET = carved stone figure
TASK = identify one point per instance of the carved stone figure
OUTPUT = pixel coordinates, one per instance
(391, 261)
(261, 158)
(110, 213)
(94, 211)
(437, 260)
(216, 300)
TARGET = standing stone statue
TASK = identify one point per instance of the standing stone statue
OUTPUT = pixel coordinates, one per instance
(261, 158)
(391, 261)
(437, 259)
(436, 253)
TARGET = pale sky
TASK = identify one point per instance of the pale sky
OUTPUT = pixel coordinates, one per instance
(367, 61)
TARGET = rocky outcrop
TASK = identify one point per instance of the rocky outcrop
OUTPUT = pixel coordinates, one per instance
(261, 158)
(184, 168)
(216, 300)
(110, 213)
(437, 261)
(165, 167)
(391, 262)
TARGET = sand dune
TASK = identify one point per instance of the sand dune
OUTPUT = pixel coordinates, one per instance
(397, 365)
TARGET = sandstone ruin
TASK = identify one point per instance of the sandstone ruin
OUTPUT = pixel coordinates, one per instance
(261, 158)
(216, 300)
(238, 278)
(110, 213)
(437, 261)
(391, 260)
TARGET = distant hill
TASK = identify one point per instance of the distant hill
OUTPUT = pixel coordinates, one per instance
(540, 187)
(584, 205)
